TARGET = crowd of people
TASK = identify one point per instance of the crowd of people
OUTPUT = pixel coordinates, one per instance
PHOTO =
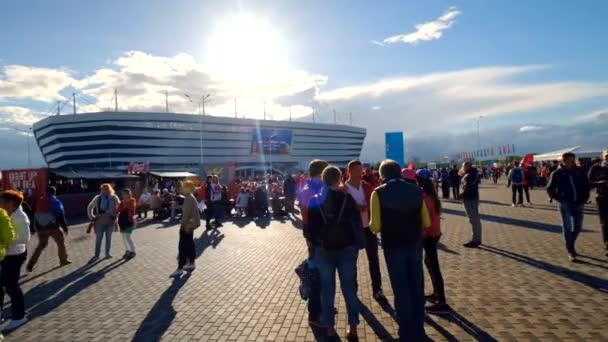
(342, 211)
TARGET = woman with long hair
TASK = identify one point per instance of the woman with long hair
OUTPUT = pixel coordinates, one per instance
(430, 240)
(103, 211)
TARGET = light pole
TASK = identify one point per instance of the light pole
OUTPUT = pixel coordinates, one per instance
(27, 139)
(478, 134)
(203, 98)
(274, 136)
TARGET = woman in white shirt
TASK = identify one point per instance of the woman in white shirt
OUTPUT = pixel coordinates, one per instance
(16, 254)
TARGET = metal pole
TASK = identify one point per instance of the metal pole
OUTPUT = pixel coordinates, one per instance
(201, 140)
(74, 102)
(115, 100)
(235, 115)
(264, 110)
(167, 101)
(203, 102)
(29, 158)
(335, 122)
(58, 107)
(289, 112)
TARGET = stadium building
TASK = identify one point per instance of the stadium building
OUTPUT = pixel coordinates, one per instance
(166, 142)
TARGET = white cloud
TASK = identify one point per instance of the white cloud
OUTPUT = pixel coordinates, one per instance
(430, 30)
(24, 82)
(530, 128)
(374, 108)
(596, 114)
(18, 117)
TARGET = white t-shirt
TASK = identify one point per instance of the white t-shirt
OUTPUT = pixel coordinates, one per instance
(216, 192)
(21, 224)
(359, 196)
(144, 198)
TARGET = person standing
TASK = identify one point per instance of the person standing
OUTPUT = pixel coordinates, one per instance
(569, 186)
(102, 210)
(16, 254)
(445, 183)
(361, 192)
(311, 188)
(289, 191)
(470, 199)
(143, 204)
(7, 235)
(455, 182)
(335, 221)
(399, 214)
(190, 221)
(516, 181)
(49, 222)
(598, 179)
(126, 222)
(430, 239)
(215, 193)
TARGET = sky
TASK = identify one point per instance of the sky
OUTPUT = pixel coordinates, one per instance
(532, 74)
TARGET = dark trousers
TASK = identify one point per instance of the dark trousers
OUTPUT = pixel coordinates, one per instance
(314, 301)
(455, 191)
(186, 251)
(518, 190)
(371, 249)
(527, 192)
(602, 206)
(431, 260)
(404, 266)
(43, 241)
(445, 190)
(9, 282)
(495, 179)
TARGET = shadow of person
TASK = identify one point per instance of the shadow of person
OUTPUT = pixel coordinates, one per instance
(263, 222)
(446, 249)
(374, 323)
(470, 328)
(580, 277)
(50, 304)
(162, 314)
(209, 238)
(551, 228)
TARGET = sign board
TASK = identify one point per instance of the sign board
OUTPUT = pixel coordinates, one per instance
(271, 141)
(395, 147)
(135, 168)
(30, 181)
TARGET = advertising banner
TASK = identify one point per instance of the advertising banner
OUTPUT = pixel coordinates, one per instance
(31, 181)
(271, 141)
(395, 147)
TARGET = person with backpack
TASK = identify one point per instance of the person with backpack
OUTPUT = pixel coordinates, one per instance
(399, 214)
(336, 233)
(430, 240)
(190, 221)
(311, 188)
(570, 187)
(16, 253)
(126, 222)
(516, 182)
(103, 211)
(49, 222)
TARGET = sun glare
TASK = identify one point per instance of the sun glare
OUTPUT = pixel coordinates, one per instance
(246, 50)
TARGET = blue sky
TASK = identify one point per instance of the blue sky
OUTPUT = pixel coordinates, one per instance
(560, 48)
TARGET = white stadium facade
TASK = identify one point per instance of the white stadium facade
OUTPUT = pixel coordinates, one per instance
(184, 142)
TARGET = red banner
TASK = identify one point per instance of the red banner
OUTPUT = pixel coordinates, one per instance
(30, 182)
(135, 168)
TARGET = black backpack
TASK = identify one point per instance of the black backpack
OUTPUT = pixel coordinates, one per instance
(336, 233)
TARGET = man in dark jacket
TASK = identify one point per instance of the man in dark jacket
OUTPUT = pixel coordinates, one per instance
(455, 181)
(470, 198)
(570, 187)
(399, 214)
(598, 179)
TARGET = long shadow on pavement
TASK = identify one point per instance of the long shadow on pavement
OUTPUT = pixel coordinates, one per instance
(374, 323)
(545, 227)
(585, 279)
(209, 238)
(162, 314)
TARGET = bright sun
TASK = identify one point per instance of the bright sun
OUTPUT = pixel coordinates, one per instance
(246, 50)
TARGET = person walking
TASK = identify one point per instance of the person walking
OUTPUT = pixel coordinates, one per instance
(455, 182)
(361, 192)
(335, 222)
(126, 222)
(470, 199)
(430, 239)
(49, 222)
(399, 214)
(16, 254)
(598, 179)
(102, 210)
(191, 220)
(516, 182)
(312, 187)
(569, 186)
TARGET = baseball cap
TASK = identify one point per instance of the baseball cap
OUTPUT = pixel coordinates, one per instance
(408, 174)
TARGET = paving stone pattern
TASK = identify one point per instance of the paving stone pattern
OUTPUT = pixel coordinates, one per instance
(519, 286)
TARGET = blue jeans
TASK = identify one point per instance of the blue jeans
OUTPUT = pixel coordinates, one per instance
(572, 223)
(345, 262)
(405, 272)
(102, 229)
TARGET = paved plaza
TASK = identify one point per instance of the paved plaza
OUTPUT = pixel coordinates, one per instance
(518, 286)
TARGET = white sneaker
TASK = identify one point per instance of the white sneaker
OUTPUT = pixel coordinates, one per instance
(177, 273)
(190, 266)
(15, 323)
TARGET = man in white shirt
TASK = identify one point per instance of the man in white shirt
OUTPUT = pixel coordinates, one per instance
(143, 204)
(16, 254)
(361, 192)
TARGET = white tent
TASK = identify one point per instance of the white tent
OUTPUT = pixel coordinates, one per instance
(578, 150)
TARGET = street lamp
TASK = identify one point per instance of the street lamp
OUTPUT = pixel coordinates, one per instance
(27, 139)
(203, 98)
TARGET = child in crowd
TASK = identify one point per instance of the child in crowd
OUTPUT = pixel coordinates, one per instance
(126, 221)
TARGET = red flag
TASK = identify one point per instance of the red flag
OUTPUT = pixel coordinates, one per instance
(527, 161)
(410, 166)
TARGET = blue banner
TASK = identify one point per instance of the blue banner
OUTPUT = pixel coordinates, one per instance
(271, 141)
(395, 147)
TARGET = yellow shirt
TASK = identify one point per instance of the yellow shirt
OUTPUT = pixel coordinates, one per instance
(375, 223)
(7, 232)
